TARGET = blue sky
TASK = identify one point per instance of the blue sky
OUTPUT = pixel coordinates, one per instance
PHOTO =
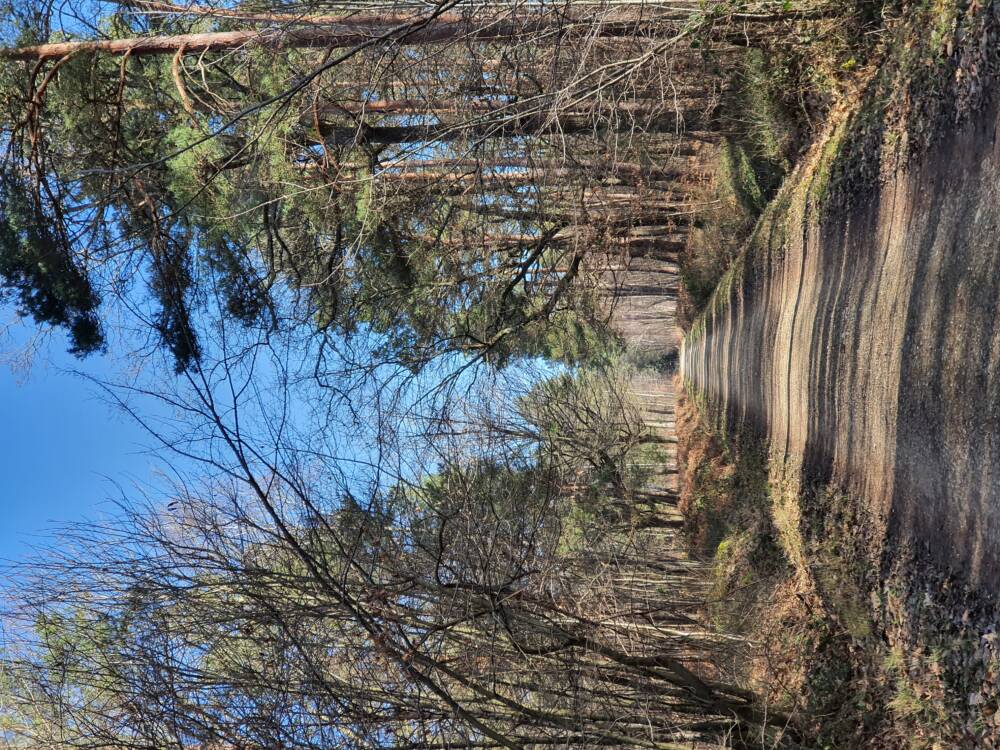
(60, 445)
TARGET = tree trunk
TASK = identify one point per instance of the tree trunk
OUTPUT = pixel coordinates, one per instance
(347, 33)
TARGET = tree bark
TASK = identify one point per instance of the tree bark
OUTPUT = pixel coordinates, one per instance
(348, 33)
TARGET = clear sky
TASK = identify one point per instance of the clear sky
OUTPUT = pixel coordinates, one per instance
(60, 446)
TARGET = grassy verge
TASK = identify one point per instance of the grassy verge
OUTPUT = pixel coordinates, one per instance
(721, 228)
(773, 106)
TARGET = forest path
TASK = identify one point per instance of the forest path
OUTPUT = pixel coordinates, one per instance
(644, 313)
(866, 347)
(654, 393)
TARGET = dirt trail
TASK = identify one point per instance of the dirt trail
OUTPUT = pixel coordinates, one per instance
(867, 347)
(644, 312)
(654, 393)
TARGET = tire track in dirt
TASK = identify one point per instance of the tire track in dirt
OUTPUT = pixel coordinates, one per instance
(866, 347)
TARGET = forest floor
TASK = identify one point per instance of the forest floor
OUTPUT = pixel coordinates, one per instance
(840, 430)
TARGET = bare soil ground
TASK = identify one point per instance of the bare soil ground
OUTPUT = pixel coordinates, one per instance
(854, 347)
(867, 347)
